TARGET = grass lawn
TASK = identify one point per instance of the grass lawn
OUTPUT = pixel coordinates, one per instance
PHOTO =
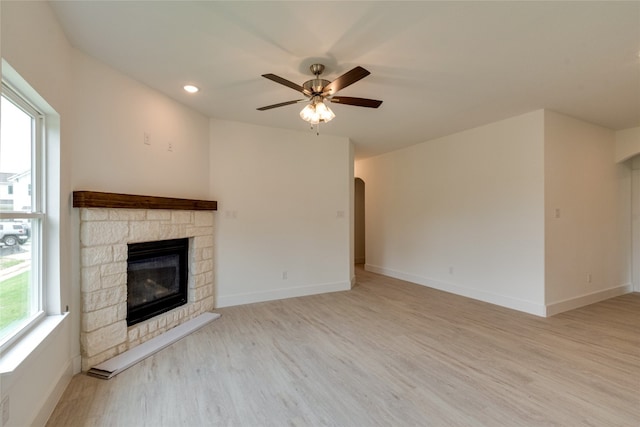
(14, 298)
(6, 263)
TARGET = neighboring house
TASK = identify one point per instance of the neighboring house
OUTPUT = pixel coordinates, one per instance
(21, 185)
(6, 191)
(15, 191)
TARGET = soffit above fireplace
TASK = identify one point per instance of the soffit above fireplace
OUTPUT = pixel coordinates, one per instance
(95, 199)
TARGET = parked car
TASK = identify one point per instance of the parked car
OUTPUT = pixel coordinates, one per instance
(12, 233)
(27, 227)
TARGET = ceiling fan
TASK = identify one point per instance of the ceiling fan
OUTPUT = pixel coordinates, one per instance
(318, 90)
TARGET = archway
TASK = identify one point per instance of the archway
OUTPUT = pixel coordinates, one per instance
(359, 222)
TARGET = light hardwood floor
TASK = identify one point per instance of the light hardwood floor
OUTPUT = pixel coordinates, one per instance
(387, 353)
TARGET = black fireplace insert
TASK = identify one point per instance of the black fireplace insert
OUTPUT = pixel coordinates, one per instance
(157, 275)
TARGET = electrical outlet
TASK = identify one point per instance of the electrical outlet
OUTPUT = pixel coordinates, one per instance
(285, 275)
(170, 146)
(588, 277)
(147, 139)
(450, 270)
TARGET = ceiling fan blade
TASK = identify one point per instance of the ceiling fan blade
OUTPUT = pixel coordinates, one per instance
(282, 104)
(358, 102)
(348, 78)
(285, 82)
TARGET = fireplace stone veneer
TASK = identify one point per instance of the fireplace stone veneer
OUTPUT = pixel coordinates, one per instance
(104, 235)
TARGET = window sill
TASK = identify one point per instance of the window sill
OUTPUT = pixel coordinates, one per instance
(32, 342)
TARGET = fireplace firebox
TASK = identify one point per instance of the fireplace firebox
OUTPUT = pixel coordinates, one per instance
(157, 275)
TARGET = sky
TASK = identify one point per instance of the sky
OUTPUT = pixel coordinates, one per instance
(15, 138)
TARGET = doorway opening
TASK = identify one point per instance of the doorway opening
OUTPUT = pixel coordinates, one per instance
(359, 255)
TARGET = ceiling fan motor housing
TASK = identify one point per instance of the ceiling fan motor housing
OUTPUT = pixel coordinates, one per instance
(315, 86)
(317, 69)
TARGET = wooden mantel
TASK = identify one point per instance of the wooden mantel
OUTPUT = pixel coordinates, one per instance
(95, 199)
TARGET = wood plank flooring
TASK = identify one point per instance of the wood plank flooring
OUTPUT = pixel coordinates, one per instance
(387, 353)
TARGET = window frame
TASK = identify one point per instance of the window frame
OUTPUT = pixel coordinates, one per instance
(36, 215)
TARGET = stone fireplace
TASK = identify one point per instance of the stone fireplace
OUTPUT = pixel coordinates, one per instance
(106, 230)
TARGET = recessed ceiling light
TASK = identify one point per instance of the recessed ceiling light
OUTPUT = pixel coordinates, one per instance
(191, 88)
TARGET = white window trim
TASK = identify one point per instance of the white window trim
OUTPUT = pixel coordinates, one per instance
(37, 213)
(55, 311)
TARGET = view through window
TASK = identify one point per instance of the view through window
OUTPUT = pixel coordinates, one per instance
(21, 215)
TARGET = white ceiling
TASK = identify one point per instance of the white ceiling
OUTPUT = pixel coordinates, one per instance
(439, 67)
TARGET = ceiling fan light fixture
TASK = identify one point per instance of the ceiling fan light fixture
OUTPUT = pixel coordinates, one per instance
(308, 113)
(316, 112)
(324, 112)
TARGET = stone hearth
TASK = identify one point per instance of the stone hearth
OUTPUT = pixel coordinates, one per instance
(104, 235)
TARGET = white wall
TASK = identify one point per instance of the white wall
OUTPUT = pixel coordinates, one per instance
(284, 201)
(463, 213)
(103, 116)
(36, 48)
(472, 201)
(627, 143)
(592, 235)
(111, 114)
(285, 189)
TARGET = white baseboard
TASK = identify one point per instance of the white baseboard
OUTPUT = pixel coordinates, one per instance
(58, 388)
(587, 299)
(282, 293)
(501, 300)
(76, 363)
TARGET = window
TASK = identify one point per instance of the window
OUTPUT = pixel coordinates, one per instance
(21, 234)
